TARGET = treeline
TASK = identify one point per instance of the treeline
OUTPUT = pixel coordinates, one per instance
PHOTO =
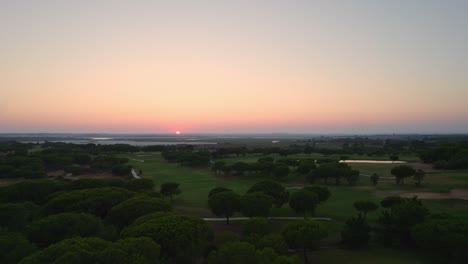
(322, 170)
(187, 158)
(26, 162)
(447, 156)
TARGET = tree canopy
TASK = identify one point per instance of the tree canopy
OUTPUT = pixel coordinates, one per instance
(225, 204)
(272, 188)
(126, 212)
(181, 238)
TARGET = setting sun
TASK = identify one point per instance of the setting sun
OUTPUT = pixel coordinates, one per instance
(177, 132)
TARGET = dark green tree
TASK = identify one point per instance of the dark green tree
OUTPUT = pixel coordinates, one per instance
(256, 225)
(395, 224)
(243, 252)
(272, 188)
(419, 177)
(15, 216)
(322, 192)
(365, 207)
(401, 172)
(97, 201)
(126, 212)
(225, 204)
(445, 237)
(169, 189)
(390, 201)
(51, 229)
(303, 202)
(140, 185)
(182, 238)
(375, 179)
(281, 171)
(305, 235)
(256, 204)
(14, 247)
(356, 233)
(218, 166)
(121, 170)
(217, 190)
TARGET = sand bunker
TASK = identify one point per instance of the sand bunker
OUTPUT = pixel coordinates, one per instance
(374, 161)
(453, 194)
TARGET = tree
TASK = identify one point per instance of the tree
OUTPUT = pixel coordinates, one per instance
(304, 234)
(170, 189)
(14, 247)
(131, 250)
(352, 176)
(393, 157)
(181, 237)
(140, 185)
(281, 171)
(272, 188)
(365, 207)
(419, 176)
(273, 241)
(375, 179)
(303, 202)
(126, 212)
(401, 172)
(72, 250)
(218, 166)
(240, 167)
(97, 201)
(322, 192)
(395, 224)
(36, 191)
(96, 250)
(15, 216)
(390, 201)
(257, 226)
(443, 236)
(51, 229)
(256, 204)
(234, 253)
(243, 252)
(73, 169)
(305, 166)
(356, 233)
(218, 190)
(122, 170)
(225, 204)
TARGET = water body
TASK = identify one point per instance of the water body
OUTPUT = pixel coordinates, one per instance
(129, 142)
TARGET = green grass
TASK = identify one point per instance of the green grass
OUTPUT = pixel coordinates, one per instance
(197, 182)
(194, 183)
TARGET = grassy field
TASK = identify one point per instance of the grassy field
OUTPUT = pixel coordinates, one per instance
(197, 182)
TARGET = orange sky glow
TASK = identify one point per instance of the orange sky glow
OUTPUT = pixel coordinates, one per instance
(315, 68)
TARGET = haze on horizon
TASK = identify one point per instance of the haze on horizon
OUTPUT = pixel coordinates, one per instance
(234, 66)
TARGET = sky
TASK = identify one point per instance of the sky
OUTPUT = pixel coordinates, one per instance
(245, 66)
